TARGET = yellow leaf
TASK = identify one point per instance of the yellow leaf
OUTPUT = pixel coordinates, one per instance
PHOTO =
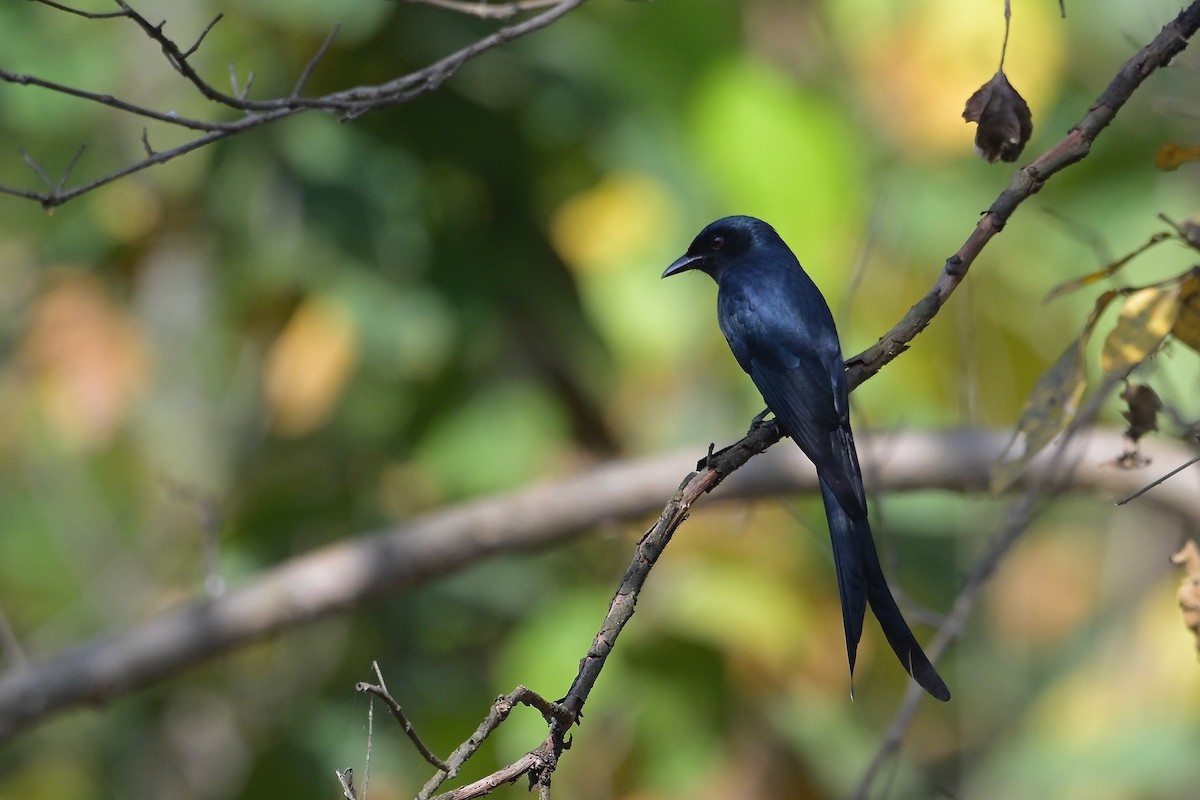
(1171, 156)
(1049, 409)
(1107, 271)
(1187, 324)
(1146, 318)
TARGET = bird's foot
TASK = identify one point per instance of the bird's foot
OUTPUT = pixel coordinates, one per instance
(758, 421)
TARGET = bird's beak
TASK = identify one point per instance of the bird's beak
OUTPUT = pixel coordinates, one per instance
(683, 264)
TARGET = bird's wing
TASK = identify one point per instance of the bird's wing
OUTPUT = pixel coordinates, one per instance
(785, 339)
(801, 391)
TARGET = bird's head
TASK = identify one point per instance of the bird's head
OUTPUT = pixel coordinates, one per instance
(721, 243)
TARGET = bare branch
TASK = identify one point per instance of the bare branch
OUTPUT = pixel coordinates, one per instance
(380, 690)
(485, 10)
(346, 779)
(84, 14)
(347, 574)
(1027, 181)
(349, 103)
(307, 72)
(66, 175)
(528, 763)
(1158, 481)
(169, 117)
(501, 708)
(200, 39)
(36, 166)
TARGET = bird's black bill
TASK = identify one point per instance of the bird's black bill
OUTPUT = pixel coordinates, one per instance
(682, 264)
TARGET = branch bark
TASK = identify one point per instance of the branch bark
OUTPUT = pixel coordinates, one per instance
(342, 576)
(347, 104)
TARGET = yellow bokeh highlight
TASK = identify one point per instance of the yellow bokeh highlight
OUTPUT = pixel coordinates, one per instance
(128, 210)
(919, 62)
(1148, 670)
(610, 222)
(308, 366)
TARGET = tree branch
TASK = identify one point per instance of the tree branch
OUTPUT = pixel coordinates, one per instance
(1074, 147)
(348, 104)
(712, 472)
(344, 575)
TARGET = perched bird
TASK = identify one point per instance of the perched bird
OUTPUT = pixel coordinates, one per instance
(781, 331)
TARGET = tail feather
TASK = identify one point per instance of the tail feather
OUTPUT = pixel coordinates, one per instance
(861, 581)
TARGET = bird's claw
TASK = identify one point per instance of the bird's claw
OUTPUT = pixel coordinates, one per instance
(758, 421)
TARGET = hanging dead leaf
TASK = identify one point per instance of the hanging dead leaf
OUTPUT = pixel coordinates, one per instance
(1189, 592)
(1142, 410)
(1187, 324)
(1171, 156)
(1005, 123)
(1146, 318)
(1049, 409)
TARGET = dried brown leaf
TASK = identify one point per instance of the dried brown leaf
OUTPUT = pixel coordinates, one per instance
(1189, 591)
(1005, 122)
(1142, 407)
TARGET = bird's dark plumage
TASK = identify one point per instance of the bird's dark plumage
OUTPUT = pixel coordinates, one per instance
(781, 331)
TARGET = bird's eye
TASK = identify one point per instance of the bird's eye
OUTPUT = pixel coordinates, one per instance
(716, 242)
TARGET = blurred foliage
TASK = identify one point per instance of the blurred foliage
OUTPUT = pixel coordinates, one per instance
(318, 328)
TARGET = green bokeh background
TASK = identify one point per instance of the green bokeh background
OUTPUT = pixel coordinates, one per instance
(482, 266)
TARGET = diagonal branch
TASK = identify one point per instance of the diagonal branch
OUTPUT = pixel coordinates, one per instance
(1170, 41)
(1026, 182)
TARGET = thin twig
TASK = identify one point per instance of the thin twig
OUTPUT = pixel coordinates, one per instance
(486, 785)
(350, 103)
(84, 14)
(1157, 482)
(1007, 26)
(346, 779)
(66, 173)
(485, 10)
(169, 117)
(307, 72)
(370, 734)
(380, 691)
(10, 646)
(36, 166)
(199, 40)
